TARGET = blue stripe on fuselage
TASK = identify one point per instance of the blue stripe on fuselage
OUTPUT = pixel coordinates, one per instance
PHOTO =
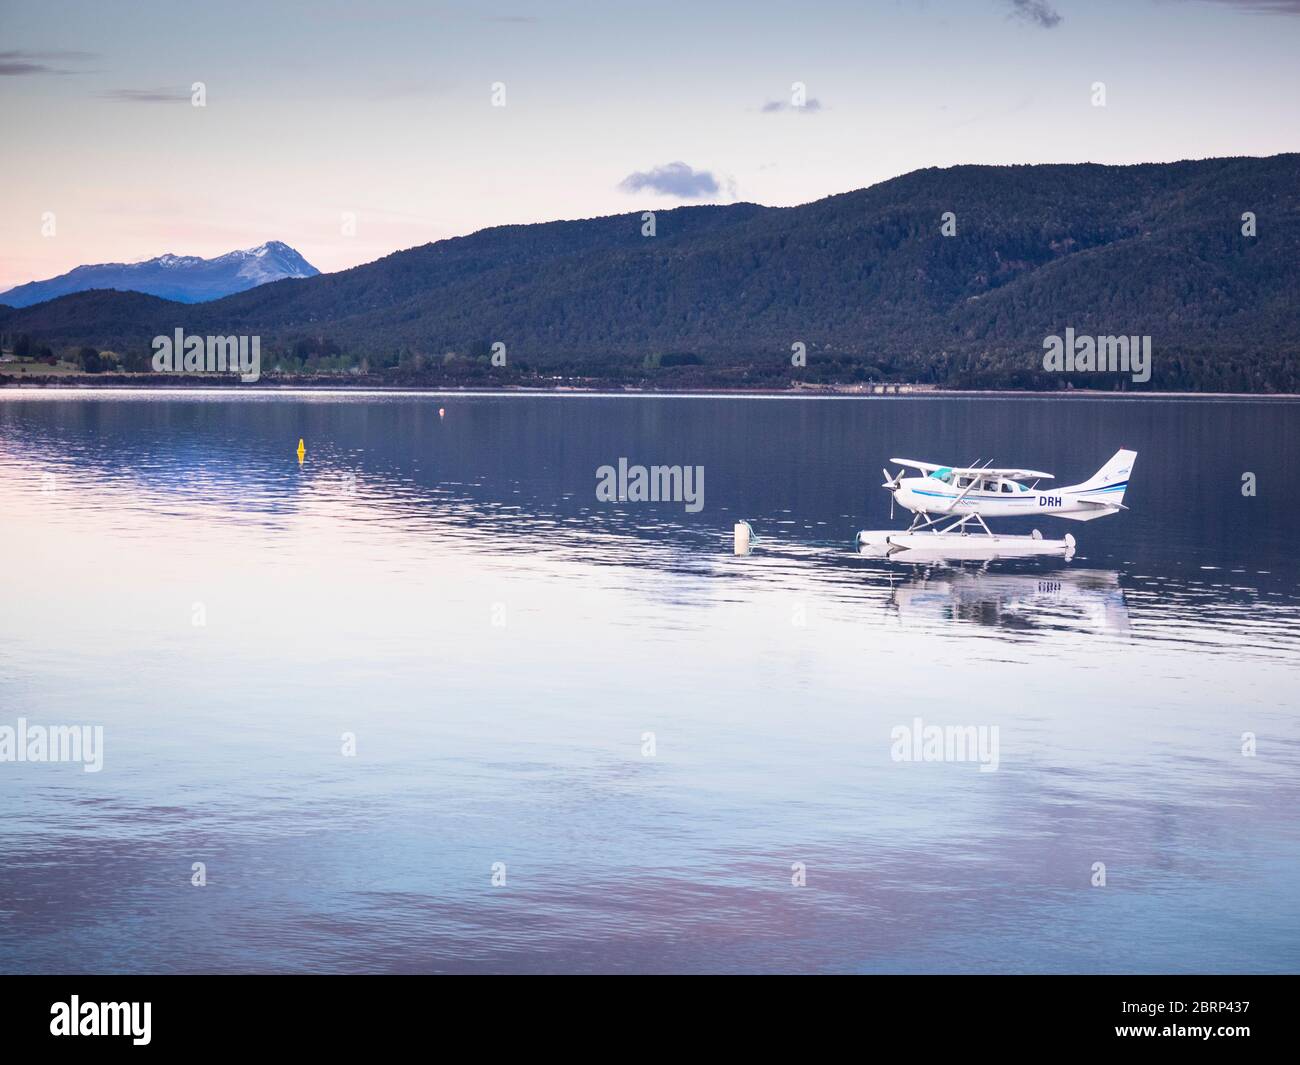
(1002, 497)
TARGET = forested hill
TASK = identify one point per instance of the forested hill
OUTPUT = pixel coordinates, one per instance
(867, 280)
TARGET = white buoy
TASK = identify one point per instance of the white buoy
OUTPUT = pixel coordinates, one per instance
(744, 534)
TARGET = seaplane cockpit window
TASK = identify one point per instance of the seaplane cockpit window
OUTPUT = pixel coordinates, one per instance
(943, 474)
(1006, 486)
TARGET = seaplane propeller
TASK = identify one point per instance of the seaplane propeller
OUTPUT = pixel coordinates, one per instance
(891, 483)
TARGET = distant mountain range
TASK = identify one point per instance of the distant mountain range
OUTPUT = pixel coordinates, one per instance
(183, 278)
(867, 280)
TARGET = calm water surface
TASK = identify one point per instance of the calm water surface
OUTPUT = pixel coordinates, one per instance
(450, 592)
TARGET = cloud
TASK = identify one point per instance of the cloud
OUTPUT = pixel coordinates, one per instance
(811, 106)
(1039, 12)
(146, 96)
(10, 68)
(19, 62)
(1263, 7)
(673, 179)
(1042, 13)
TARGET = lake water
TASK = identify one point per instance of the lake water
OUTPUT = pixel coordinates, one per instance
(647, 738)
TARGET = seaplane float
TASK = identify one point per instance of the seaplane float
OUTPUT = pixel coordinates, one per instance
(950, 504)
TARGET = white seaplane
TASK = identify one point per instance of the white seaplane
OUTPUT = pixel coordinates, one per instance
(952, 502)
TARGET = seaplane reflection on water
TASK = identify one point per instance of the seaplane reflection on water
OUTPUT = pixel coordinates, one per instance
(1074, 599)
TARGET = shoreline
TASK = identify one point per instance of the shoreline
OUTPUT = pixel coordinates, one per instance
(81, 383)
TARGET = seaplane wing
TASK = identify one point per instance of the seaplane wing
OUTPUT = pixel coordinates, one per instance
(987, 471)
(924, 467)
(1010, 475)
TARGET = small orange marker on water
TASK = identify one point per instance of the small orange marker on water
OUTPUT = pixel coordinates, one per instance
(302, 450)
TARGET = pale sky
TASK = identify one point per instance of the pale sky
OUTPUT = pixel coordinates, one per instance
(384, 109)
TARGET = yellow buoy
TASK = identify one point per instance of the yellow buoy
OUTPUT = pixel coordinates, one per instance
(302, 450)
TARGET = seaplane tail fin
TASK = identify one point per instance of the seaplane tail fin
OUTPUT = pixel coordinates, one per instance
(1108, 484)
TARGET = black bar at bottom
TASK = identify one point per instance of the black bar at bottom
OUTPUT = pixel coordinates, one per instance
(338, 1013)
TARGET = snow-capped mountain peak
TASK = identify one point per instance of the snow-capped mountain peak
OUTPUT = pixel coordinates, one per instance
(185, 278)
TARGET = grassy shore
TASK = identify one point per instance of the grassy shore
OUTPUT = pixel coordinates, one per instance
(65, 377)
(35, 368)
